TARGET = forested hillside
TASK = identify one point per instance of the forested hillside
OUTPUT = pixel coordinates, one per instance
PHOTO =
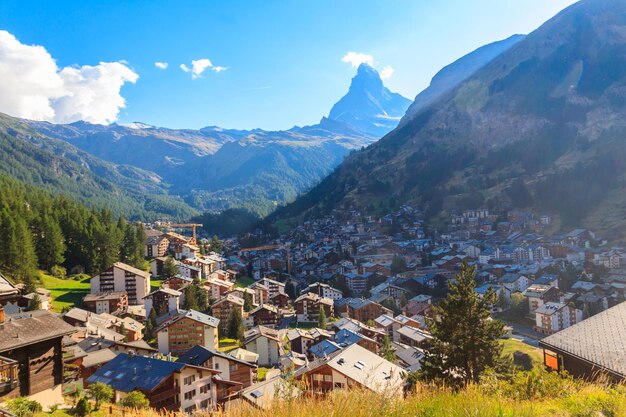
(43, 231)
(540, 127)
(64, 169)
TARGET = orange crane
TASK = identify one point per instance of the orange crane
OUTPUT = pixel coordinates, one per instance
(269, 247)
(193, 229)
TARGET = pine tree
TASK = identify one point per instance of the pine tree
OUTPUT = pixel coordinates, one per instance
(321, 319)
(50, 243)
(387, 349)
(35, 303)
(216, 244)
(192, 301)
(247, 301)
(151, 325)
(465, 337)
(235, 328)
(17, 251)
(290, 290)
(170, 269)
(82, 407)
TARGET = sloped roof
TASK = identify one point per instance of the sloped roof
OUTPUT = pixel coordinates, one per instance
(600, 339)
(169, 319)
(32, 327)
(198, 355)
(127, 373)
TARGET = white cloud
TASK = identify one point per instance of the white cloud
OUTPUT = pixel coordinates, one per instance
(33, 87)
(161, 65)
(199, 66)
(357, 58)
(387, 72)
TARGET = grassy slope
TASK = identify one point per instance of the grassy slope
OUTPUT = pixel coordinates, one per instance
(65, 292)
(244, 281)
(514, 345)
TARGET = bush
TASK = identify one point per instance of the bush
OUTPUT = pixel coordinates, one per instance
(79, 277)
(82, 407)
(135, 399)
(58, 272)
(22, 406)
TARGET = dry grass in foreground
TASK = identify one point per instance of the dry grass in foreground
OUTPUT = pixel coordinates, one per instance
(527, 394)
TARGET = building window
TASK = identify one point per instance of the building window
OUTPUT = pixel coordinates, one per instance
(190, 394)
(205, 388)
(189, 380)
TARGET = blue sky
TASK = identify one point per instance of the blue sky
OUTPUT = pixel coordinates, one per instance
(283, 58)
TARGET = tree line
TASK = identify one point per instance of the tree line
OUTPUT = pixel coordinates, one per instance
(42, 231)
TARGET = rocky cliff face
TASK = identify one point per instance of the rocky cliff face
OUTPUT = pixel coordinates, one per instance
(369, 106)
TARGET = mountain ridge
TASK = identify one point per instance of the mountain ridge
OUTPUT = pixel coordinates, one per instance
(539, 127)
(266, 168)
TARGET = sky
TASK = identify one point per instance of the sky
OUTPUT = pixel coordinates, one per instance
(236, 64)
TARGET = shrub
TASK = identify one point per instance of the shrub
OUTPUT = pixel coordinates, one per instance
(58, 272)
(82, 407)
(22, 406)
(135, 399)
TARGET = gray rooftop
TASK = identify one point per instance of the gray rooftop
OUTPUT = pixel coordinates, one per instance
(32, 327)
(599, 339)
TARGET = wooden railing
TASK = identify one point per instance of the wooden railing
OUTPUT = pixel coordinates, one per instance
(8, 374)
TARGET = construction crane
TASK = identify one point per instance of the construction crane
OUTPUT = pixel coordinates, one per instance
(193, 229)
(269, 247)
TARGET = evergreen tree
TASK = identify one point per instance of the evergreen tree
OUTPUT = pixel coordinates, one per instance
(504, 302)
(17, 251)
(151, 325)
(191, 298)
(398, 264)
(35, 303)
(50, 244)
(216, 244)
(170, 269)
(247, 301)
(321, 319)
(235, 327)
(387, 349)
(82, 407)
(290, 290)
(465, 338)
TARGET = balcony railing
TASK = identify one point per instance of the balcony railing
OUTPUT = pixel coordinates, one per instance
(8, 374)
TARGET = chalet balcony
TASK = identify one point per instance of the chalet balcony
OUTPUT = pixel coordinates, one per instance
(8, 375)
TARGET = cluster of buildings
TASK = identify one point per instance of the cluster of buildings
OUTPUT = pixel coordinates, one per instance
(324, 304)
